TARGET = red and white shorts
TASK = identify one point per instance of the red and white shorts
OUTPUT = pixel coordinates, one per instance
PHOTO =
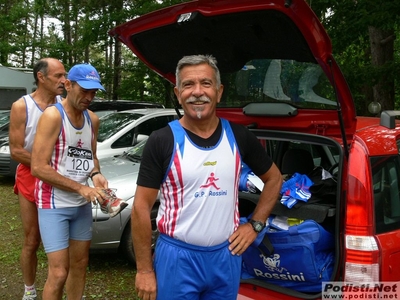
(24, 182)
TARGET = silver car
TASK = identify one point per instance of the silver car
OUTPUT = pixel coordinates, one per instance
(7, 165)
(121, 130)
(114, 234)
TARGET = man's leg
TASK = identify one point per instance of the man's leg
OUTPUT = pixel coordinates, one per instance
(78, 258)
(80, 235)
(57, 274)
(54, 228)
(29, 217)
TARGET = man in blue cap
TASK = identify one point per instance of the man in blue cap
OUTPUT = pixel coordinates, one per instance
(63, 159)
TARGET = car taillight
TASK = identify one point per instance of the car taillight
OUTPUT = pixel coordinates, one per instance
(361, 249)
(361, 259)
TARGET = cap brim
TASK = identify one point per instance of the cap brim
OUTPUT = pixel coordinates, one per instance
(90, 85)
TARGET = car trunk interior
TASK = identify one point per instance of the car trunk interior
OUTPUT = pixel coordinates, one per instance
(303, 154)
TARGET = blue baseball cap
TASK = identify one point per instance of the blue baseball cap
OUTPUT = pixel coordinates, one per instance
(86, 76)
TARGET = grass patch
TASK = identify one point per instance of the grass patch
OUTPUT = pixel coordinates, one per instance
(109, 276)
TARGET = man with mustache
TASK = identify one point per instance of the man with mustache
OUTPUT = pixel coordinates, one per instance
(196, 162)
(49, 75)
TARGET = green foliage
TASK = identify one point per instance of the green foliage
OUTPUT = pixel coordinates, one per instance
(78, 32)
(12, 15)
(139, 83)
(347, 23)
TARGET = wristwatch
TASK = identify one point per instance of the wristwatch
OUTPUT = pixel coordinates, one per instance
(257, 225)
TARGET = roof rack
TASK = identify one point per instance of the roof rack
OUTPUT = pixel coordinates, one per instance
(388, 118)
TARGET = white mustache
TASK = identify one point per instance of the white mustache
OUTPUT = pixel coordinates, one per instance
(193, 99)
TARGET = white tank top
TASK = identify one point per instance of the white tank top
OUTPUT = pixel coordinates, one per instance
(33, 113)
(73, 158)
(199, 196)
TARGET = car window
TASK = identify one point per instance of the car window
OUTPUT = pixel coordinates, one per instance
(4, 118)
(301, 84)
(152, 124)
(10, 94)
(101, 113)
(313, 149)
(4, 128)
(112, 123)
(386, 186)
(136, 151)
(142, 131)
(323, 156)
(124, 141)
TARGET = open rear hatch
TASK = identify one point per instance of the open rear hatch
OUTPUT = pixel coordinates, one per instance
(273, 54)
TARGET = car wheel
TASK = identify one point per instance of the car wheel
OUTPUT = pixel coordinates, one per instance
(126, 241)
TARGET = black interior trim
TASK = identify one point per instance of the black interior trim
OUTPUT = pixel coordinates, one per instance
(233, 39)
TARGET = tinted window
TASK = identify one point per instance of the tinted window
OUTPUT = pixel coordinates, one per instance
(9, 95)
(386, 185)
(323, 156)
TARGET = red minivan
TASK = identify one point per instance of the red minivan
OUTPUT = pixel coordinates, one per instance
(282, 81)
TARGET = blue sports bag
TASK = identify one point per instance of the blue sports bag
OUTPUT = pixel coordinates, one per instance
(301, 259)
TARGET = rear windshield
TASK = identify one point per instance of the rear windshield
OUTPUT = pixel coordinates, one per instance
(301, 84)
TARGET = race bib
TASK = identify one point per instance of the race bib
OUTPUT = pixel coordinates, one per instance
(79, 163)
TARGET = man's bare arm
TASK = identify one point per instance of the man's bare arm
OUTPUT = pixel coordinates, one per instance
(145, 281)
(17, 133)
(98, 180)
(45, 139)
(141, 226)
(270, 193)
(245, 235)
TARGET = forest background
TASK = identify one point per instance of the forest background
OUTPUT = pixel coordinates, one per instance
(363, 34)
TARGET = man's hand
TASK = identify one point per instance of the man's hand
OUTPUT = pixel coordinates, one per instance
(146, 285)
(100, 181)
(241, 239)
(93, 195)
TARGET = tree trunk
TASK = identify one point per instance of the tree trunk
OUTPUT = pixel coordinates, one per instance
(34, 39)
(117, 69)
(382, 49)
(67, 33)
(118, 7)
(108, 51)
(26, 40)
